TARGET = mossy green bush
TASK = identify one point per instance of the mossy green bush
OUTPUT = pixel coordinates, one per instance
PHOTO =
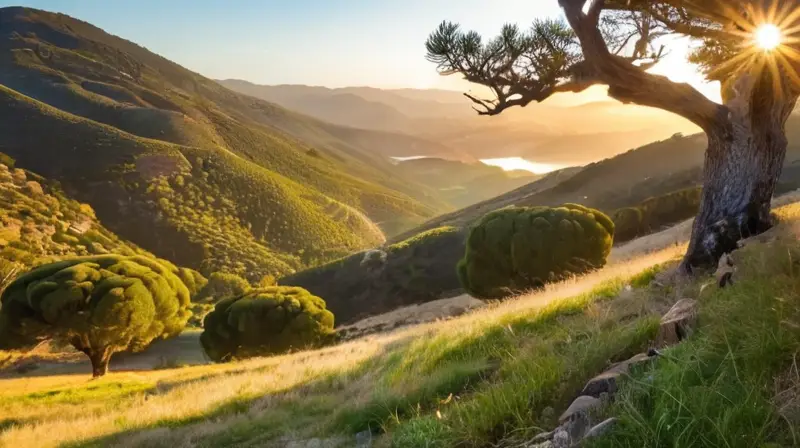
(655, 213)
(266, 321)
(221, 285)
(100, 305)
(516, 249)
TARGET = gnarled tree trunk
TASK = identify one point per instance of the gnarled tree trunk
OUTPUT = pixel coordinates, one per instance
(745, 156)
(99, 359)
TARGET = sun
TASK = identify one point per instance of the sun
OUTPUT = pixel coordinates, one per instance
(768, 37)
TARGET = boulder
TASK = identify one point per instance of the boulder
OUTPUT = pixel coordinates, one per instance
(678, 323)
(584, 404)
(601, 428)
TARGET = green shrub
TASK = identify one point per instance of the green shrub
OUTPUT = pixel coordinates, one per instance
(513, 250)
(100, 305)
(193, 280)
(654, 213)
(221, 285)
(266, 321)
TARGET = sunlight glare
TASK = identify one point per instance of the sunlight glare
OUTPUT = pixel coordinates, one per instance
(768, 37)
(518, 163)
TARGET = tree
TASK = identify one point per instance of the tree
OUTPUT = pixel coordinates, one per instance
(614, 43)
(266, 321)
(513, 250)
(100, 305)
(221, 285)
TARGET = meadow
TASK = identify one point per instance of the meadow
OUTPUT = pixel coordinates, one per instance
(493, 377)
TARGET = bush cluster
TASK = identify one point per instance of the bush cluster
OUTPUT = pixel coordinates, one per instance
(516, 249)
(266, 321)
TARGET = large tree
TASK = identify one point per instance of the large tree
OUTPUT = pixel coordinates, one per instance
(615, 42)
(100, 305)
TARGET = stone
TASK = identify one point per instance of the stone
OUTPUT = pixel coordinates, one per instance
(561, 439)
(584, 404)
(545, 444)
(678, 323)
(625, 366)
(606, 382)
(725, 270)
(601, 428)
(545, 436)
(364, 439)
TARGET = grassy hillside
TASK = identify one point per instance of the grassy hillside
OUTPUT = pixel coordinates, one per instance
(463, 184)
(417, 270)
(184, 167)
(494, 377)
(625, 180)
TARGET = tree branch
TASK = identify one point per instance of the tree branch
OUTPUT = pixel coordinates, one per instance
(629, 83)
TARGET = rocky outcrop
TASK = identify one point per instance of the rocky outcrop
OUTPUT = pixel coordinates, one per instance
(579, 421)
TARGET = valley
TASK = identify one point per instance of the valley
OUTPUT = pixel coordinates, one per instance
(232, 257)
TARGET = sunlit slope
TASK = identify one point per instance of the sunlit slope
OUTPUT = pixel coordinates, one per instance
(80, 69)
(202, 208)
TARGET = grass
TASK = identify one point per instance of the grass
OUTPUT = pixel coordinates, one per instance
(493, 377)
(476, 368)
(736, 382)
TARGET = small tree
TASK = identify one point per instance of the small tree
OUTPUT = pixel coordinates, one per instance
(100, 305)
(266, 321)
(221, 285)
(614, 43)
(513, 250)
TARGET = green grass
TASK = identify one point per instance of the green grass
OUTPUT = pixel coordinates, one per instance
(735, 383)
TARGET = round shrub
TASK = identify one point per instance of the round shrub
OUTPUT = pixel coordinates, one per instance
(100, 305)
(266, 321)
(516, 249)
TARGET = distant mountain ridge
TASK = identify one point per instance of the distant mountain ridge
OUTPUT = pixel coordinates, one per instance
(209, 178)
(546, 133)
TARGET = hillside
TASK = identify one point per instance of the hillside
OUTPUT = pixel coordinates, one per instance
(627, 180)
(544, 133)
(186, 168)
(497, 376)
(461, 183)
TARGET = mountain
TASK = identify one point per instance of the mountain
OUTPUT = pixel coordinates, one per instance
(555, 131)
(185, 168)
(463, 184)
(431, 250)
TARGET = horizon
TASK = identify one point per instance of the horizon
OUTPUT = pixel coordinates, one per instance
(246, 42)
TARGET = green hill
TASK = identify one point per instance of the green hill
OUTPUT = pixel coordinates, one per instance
(39, 222)
(183, 167)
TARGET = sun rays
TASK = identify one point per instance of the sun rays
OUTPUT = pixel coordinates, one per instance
(768, 37)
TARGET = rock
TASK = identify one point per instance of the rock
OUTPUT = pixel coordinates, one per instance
(545, 444)
(545, 436)
(572, 431)
(561, 439)
(678, 323)
(364, 439)
(625, 366)
(606, 382)
(314, 443)
(601, 428)
(725, 270)
(584, 404)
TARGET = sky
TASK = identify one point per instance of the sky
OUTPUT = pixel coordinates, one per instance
(333, 43)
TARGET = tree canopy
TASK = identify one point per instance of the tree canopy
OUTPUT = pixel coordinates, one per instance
(614, 43)
(100, 305)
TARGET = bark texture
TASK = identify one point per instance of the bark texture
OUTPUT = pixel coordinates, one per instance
(745, 156)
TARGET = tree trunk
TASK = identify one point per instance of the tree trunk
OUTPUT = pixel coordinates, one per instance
(99, 359)
(745, 156)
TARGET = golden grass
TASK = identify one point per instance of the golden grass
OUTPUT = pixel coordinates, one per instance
(187, 399)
